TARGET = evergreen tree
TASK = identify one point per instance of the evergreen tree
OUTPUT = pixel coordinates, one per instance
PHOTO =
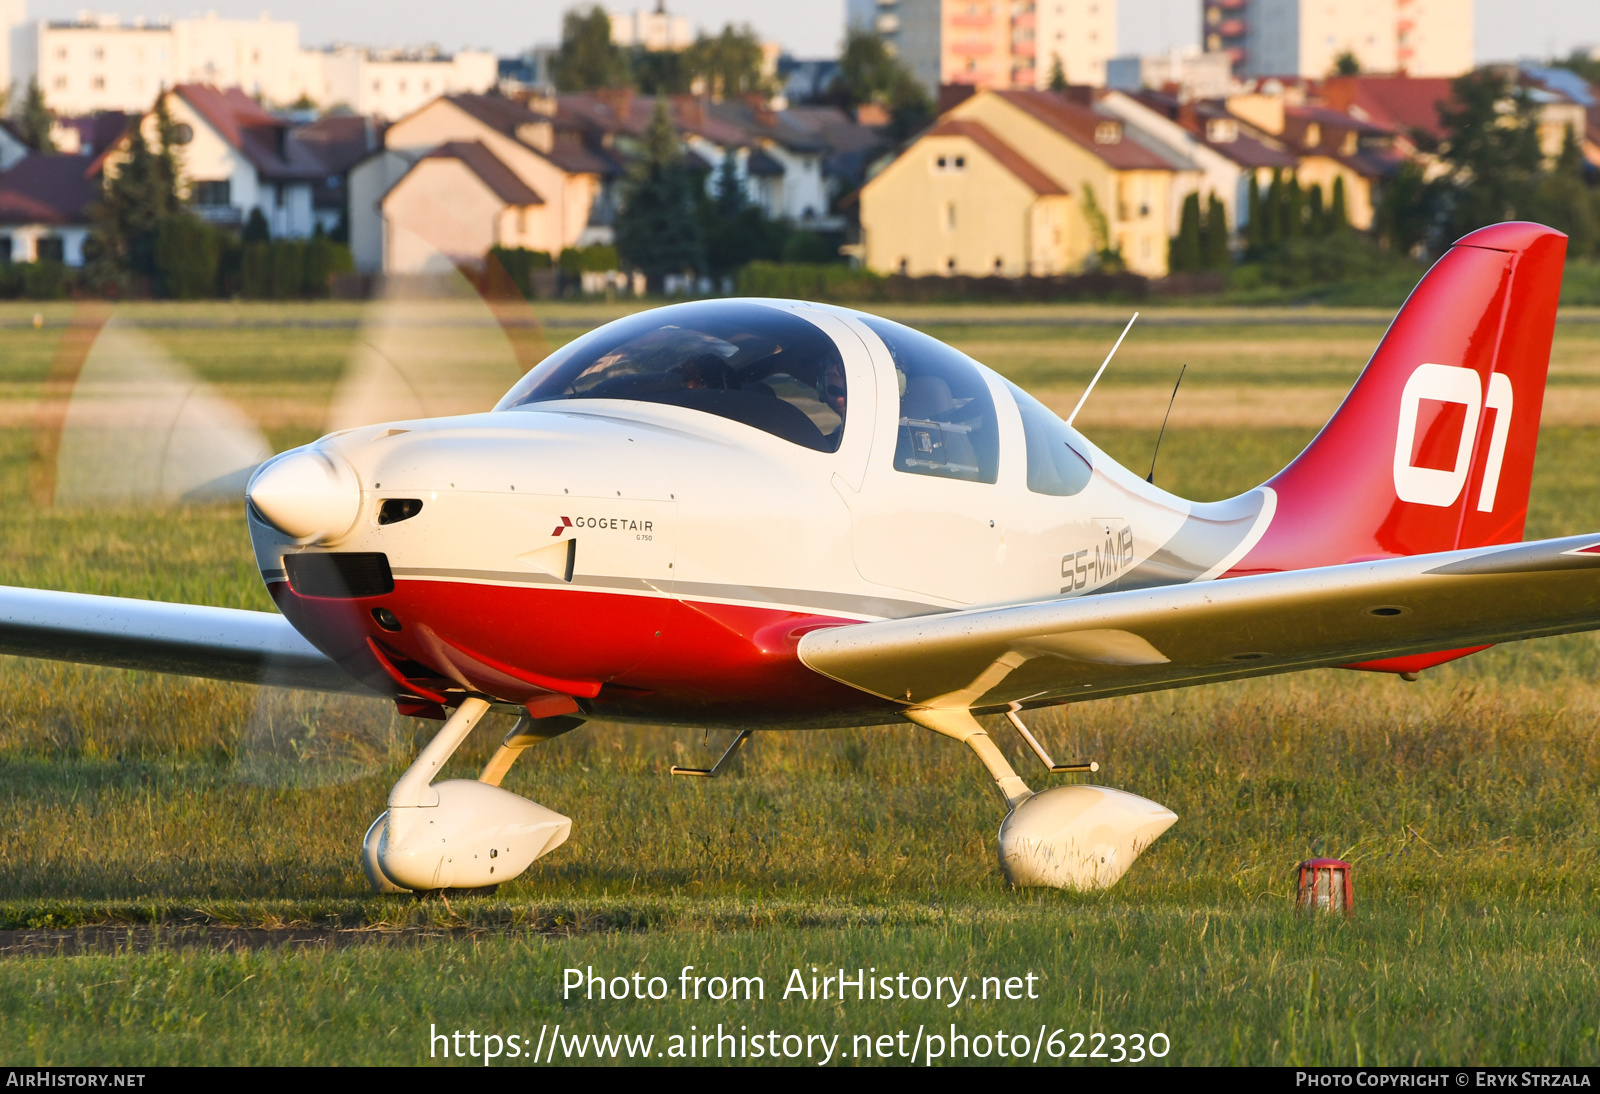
(139, 195)
(1216, 254)
(657, 231)
(588, 59)
(34, 119)
(1346, 64)
(1294, 210)
(1316, 215)
(1338, 209)
(730, 190)
(1255, 235)
(1058, 74)
(1272, 215)
(1187, 249)
(255, 227)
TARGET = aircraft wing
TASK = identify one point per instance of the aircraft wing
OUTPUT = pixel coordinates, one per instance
(185, 639)
(1089, 647)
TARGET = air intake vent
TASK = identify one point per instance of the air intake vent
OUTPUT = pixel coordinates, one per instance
(344, 575)
(395, 510)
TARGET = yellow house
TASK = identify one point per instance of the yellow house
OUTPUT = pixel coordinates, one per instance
(1045, 182)
(961, 200)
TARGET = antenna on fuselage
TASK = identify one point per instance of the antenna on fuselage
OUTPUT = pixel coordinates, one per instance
(1151, 478)
(1085, 396)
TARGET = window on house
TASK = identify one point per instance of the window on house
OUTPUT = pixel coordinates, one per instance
(280, 195)
(50, 249)
(61, 53)
(950, 216)
(99, 53)
(61, 83)
(212, 193)
(1108, 133)
(98, 83)
(5, 250)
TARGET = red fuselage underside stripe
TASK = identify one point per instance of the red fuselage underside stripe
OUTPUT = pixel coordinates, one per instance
(654, 655)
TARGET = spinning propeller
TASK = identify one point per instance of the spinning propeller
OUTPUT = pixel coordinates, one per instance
(127, 426)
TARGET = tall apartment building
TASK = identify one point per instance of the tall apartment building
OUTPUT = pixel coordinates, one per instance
(654, 30)
(98, 62)
(994, 43)
(1306, 37)
(393, 83)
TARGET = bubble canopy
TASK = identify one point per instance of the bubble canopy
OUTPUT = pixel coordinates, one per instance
(765, 367)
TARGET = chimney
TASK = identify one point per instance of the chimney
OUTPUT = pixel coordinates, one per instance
(619, 100)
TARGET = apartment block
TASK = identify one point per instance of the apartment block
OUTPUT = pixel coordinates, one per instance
(99, 62)
(994, 43)
(654, 30)
(1305, 38)
(391, 84)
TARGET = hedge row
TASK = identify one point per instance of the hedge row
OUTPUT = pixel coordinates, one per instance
(847, 285)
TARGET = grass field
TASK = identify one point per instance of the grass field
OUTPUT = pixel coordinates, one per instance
(157, 820)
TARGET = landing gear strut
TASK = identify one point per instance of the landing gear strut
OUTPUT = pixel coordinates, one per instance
(462, 833)
(1067, 837)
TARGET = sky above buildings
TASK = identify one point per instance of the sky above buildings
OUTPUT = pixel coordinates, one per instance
(1506, 29)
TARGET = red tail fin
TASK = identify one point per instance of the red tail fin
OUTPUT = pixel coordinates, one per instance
(1433, 447)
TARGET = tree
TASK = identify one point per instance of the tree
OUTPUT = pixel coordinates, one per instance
(1408, 212)
(139, 195)
(1346, 64)
(588, 59)
(728, 65)
(1564, 202)
(1491, 145)
(1187, 249)
(1255, 228)
(1316, 215)
(1215, 252)
(869, 73)
(658, 71)
(1058, 74)
(185, 256)
(1338, 208)
(255, 227)
(34, 119)
(657, 231)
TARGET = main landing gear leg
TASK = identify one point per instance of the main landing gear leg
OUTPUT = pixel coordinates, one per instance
(1067, 837)
(461, 833)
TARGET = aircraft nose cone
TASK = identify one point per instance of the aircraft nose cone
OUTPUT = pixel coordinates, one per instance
(309, 494)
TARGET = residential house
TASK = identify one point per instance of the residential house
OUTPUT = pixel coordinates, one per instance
(1120, 188)
(568, 181)
(1332, 145)
(44, 208)
(962, 200)
(1226, 152)
(339, 142)
(235, 157)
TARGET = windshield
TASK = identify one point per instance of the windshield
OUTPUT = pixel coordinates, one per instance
(762, 366)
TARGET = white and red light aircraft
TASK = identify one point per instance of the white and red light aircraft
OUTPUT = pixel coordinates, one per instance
(764, 514)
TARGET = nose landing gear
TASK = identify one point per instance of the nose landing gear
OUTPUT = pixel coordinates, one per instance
(462, 833)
